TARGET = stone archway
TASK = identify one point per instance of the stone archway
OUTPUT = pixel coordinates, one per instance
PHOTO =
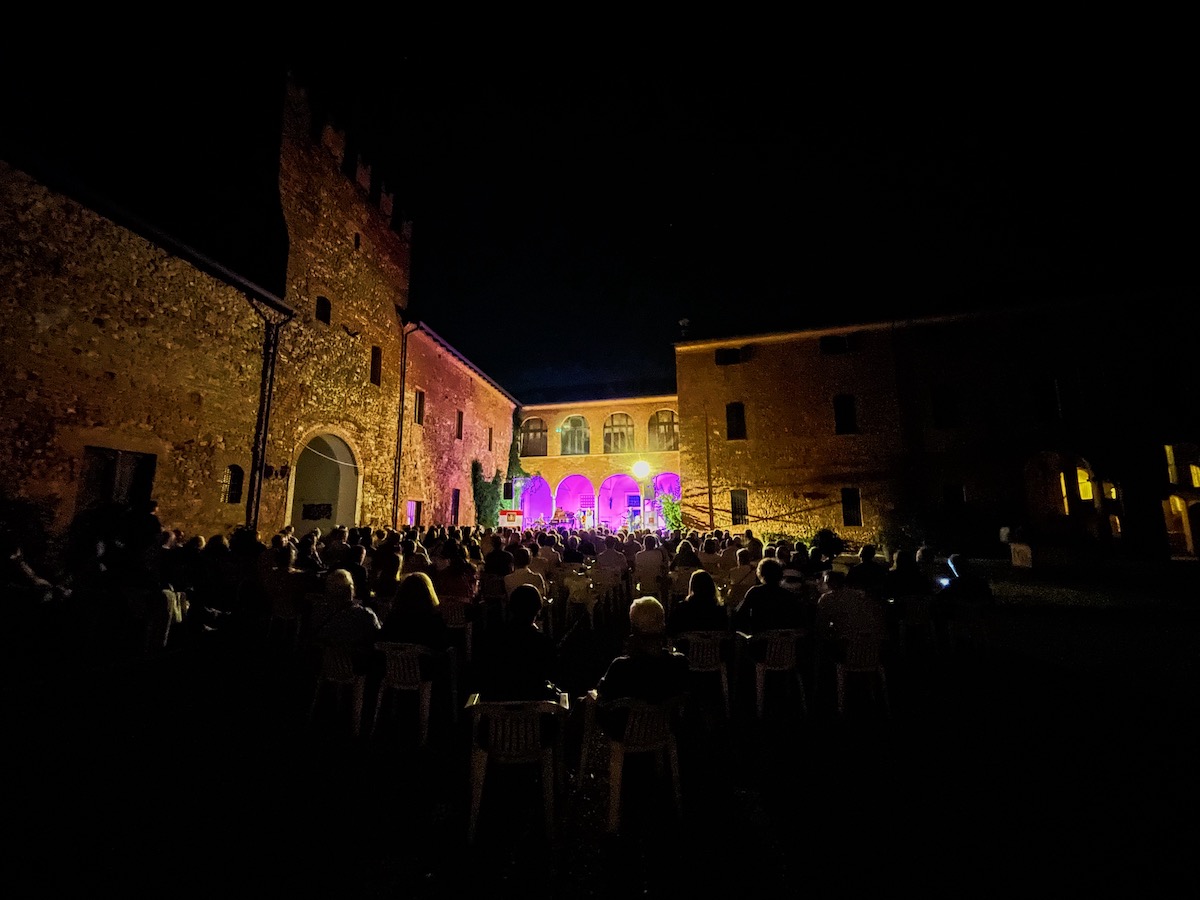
(536, 501)
(619, 503)
(576, 498)
(326, 485)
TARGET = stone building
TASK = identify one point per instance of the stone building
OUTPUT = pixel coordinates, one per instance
(136, 365)
(1053, 423)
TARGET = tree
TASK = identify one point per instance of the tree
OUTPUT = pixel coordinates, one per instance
(672, 509)
(487, 495)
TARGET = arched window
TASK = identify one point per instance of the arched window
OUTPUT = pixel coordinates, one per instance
(576, 439)
(663, 431)
(533, 437)
(324, 310)
(618, 434)
(231, 485)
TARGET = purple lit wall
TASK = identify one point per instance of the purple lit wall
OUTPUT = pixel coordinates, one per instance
(575, 492)
(613, 501)
(536, 501)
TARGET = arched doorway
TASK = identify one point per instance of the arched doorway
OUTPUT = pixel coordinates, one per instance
(619, 504)
(325, 490)
(536, 501)
(576, 498)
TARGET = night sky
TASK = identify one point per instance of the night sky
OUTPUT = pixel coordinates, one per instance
(558, 203)
(570, 201)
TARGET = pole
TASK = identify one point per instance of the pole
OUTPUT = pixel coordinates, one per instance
(712, 522)
(404, 333)
(266, 390)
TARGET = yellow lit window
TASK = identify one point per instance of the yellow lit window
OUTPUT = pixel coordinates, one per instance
(1062, 483)
(1114, 525)
(1177, 505)
(1085, 484)
(1110, 491)
(1195, 470)
(1172, 472)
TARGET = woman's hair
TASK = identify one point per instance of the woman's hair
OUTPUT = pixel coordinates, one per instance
(339, 587)
(417, 594)
(702, 589)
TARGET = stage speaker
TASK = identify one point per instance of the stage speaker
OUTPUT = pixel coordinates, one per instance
(508, 490)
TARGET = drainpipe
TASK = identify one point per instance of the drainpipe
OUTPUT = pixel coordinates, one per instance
(273, 320)
(404, 333)
(712, 521)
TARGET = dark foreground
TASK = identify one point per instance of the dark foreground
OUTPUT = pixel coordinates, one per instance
(1065, 759)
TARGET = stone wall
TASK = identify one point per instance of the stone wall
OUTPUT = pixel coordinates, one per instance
(436, 460)
(792, 463)
(109, 341)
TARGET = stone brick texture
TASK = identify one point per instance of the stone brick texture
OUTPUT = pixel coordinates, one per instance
(792, 463)
(110, 341)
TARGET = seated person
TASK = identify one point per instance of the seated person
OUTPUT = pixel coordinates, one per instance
(349, 623)
(769, 605)
(520, 661)
(522, 573)
(650, 669)
(701, 609)
(414, 619)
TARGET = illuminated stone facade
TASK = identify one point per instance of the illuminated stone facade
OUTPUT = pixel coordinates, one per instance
(1047, 421)
(155, 360)
(592, 476)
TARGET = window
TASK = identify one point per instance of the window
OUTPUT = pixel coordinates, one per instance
(576, 438)
(835, 343)
(231, 484)
(458, 425)
(1172, 470)
(1195, 470)
(533, 437)
(664, 431)
(735, 421)
(1066, 499)
(618, 433)
(115, 476)
(1085, 484)
(413, 512)
(739, 507)
(324, 310)
(454, 500)
(851, 507)
(489, 438)
(419, 407)
(845, 417)
(376, 365)
(731, 356)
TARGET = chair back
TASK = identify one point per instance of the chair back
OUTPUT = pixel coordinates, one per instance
(454, 613)
(649, 725)
(703, 649)
(513, 731)
(779, 648)
(863, 651)
(337, 664)
(401, 664)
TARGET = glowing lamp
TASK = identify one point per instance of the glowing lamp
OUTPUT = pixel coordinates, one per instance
(641, 469)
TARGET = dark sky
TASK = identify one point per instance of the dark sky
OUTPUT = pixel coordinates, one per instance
(570, 208)
(568, 214)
